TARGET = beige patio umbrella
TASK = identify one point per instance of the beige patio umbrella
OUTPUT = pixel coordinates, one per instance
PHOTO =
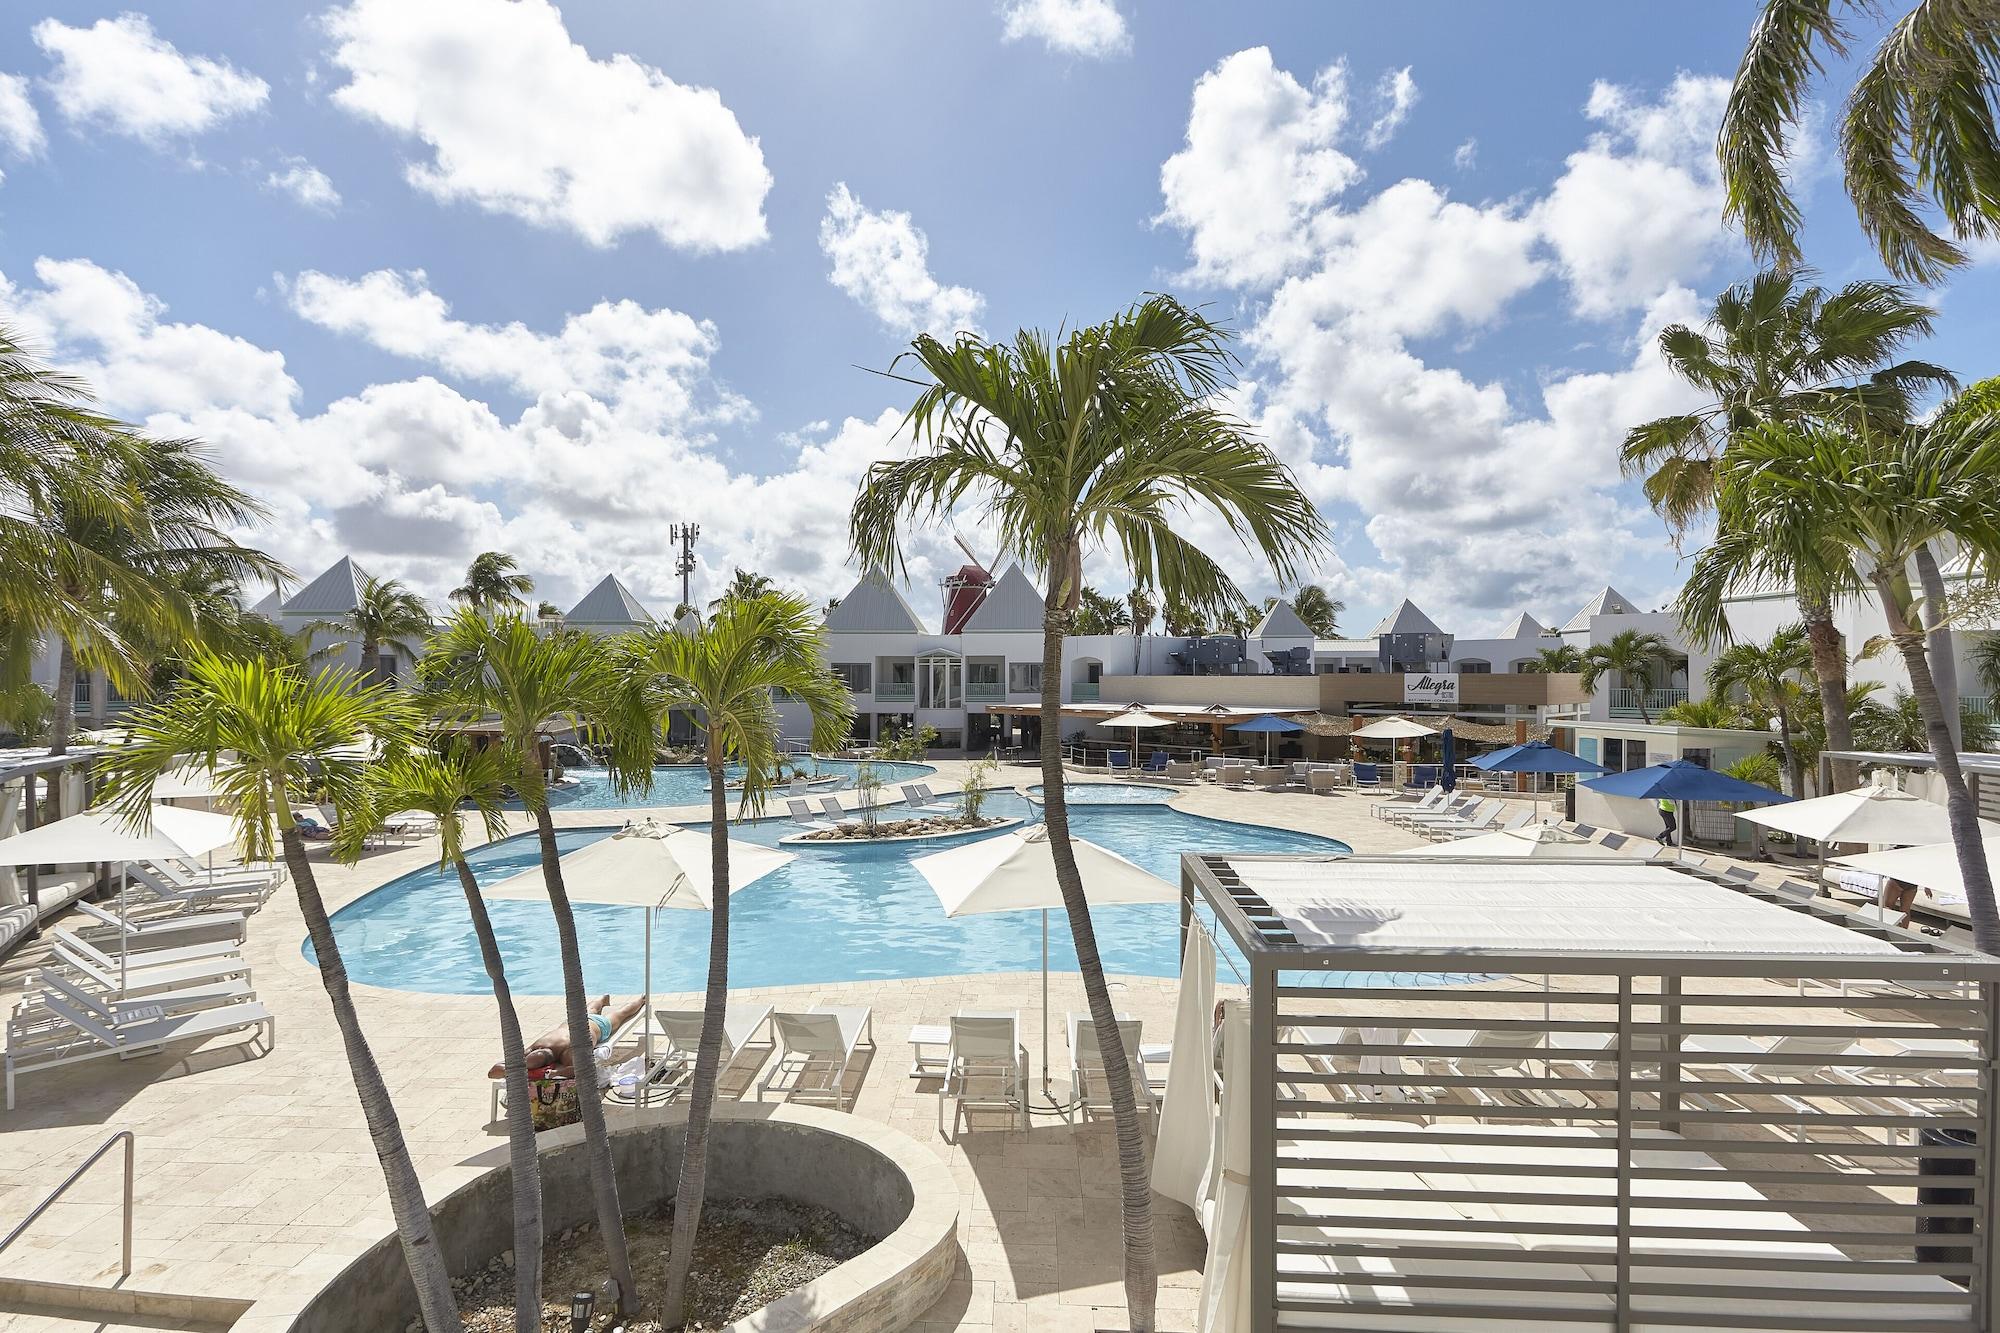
(646, 865)
(1933, 867)
(1392, 729)
(1016, 872)
(1138, 720)
(1879, 816)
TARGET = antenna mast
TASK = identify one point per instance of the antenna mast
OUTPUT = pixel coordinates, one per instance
(684, 536)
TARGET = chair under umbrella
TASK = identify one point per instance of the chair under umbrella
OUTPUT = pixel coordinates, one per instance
(1681, 781)
(1535, 757)
(647, 865)
(1269, 725)
(1139, 720)
(1933, 866)
(165, 833)
(1016, 872)
(1392, 729)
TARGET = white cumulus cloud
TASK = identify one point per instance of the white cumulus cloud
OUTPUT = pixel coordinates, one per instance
(519, 119)
(1091, 28)
(120, 75)
(882, 260)
(1466, 155)
(1397, 92)
(305, 183)
(20, 125)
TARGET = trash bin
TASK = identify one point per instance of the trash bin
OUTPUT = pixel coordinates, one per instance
(1940, 1192)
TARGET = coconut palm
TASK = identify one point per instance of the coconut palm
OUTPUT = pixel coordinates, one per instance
(179, 567)
(492, 582)
(1320, 610)
(1139, 613)
(727, 673)
(1765, 673)
(1096, 442)
(501, 667)
(1916, 131)
(452, 783)
(1098, 614)
(285, 726)
(1714, 713)
(1783, 351)
(1899, 725)
(1556, 661)
(742, 583)
(1861, 505)
(386, 612)
(1986, 661)
(1635, 657)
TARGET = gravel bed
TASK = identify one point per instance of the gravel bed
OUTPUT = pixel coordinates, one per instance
(749, 1253)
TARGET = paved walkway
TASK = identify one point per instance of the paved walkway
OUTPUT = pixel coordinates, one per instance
(256, 1175)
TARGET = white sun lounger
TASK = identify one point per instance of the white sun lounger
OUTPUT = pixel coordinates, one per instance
(918, 797)
(680, 1031)
(159, 969)
(1401, 805)
(1086, 1064)
(820, 1045)
(803, 816)
(82, 1027)
(244, 895)
(986, 1068)
(224, 929)
(838, 816)
(195, 876)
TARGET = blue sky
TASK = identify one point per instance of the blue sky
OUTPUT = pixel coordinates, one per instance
(436, 279)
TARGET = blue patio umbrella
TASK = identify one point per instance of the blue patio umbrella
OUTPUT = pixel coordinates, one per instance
(1536, 757)
(1680, 780)
(1271, 725)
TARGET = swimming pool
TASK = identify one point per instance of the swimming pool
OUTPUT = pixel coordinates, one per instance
(1110, 793)
(687, 784)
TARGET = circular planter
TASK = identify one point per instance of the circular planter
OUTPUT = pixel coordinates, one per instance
(957, 835)
(878, 1180)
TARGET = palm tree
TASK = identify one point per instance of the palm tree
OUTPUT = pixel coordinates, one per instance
(1899, 725)
(1634, 656)
(726, 673)
(742, 583)
(386, 612)
(1139, 613)
(1319, 610)
(450, 784)
(179, 565)
(1783, 351)
(491, 582)
(1556, 661)
(1094, 442)
(500, 666)
(1712, 713)
(1986, 661)
(1862, 504)
(1764, 672)
(283, 724)
(1098, 614)
(1916, 132)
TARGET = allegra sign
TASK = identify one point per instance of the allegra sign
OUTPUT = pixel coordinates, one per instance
(1425, 688)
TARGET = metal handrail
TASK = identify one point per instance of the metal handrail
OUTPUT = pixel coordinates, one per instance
(125, 1269)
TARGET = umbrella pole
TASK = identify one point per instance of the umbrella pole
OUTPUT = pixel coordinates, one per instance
(124, 929)
(646, 1017)
(1047, 1095)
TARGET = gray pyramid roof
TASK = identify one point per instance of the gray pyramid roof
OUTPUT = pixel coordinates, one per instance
(609, 603)
(1407, 619)
(1281, 622)
(1525, 626)
(687, 622)
(335, 592)
(1609, 602)
(1012, 605)
(873, 606)
(269, 606)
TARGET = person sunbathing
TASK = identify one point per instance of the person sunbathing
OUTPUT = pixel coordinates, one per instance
(549, 1054)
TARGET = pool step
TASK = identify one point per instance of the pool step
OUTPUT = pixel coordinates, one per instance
(59, 1307)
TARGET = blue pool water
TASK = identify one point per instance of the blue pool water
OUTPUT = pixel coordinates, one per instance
(1111, 793)
(852, 915)
(687, 784)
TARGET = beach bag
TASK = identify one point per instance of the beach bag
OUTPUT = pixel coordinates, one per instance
(552, 1103)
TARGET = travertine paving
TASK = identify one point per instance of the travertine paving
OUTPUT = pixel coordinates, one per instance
(257, 1175)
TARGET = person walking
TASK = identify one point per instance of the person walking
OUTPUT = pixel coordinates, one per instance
(1671, 837)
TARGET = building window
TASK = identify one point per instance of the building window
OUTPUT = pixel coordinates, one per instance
(1024, 678)
(1472, 666)
(940, 682)
(854, 675)
(1699, 755)
(81, 694)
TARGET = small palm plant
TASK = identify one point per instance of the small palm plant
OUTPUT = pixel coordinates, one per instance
(450, 784)
(285, 727)
(493, 582)
(1556, 661)
(1100, 441)
(1635, 657)
(501, 666)
(725, 673)
(387, 612)
(1767, 674)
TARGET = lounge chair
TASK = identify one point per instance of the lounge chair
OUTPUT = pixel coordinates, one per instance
(219, 931)
(244, 895)
(917, 796)
(1485, 819)
(82, 1027)
(1519, 820)
(803, 816)
(411, 825)
(1454, 810)
(1157, 762)
(1474, 1053)
(160, 969)
(1368, 778)
(187, 876)
(985, 1068)
(1117, 759)
(1086, 1064)
(1403, 803)
(831, 805)
(680, 1030)
(818, 1044)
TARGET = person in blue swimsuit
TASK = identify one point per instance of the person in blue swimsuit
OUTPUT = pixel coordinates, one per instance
(549, 1054)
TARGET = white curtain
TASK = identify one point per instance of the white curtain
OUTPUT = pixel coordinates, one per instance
(1180, 1153)
(1225, 1279)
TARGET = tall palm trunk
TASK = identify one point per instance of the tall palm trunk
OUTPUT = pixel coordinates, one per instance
(62, 723)
(583, 1057)
(521, 1152)
(370, 648)
(1640, 691)
(693, 1183)
(406, 1192)
(1829, 659)
(1136, 1187)
(1937, 628)
(1893, 586)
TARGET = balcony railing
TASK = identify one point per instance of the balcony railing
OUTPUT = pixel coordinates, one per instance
(898, 691)
(1084, 691)
(1625, 703)
(1981, 704)
(985, 691)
